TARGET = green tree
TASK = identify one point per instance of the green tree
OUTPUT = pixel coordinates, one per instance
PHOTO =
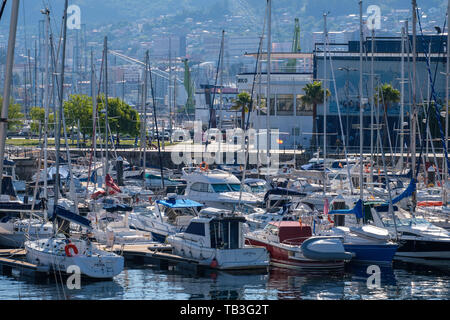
(78, 113)
(242, 104)
(15, 117)
(38, 117)
(386, 95)
(122, 118)
(313, 96)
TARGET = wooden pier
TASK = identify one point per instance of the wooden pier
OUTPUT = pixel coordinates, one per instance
(11, 261)
(156, 254)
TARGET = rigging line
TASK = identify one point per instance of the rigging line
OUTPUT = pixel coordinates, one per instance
(211, 107)
(2, 9)
(340, 122)
(247, 143)
(433, 93)
(156, 122)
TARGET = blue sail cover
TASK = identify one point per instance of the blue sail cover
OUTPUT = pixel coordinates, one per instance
(283, 192)
(357, 210)
(117, 207)
(179, 203)
(70, 216)
(406, 193)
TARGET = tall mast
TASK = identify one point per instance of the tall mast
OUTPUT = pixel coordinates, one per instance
(170, 88)
(144, 106)
(156, 122)
(372, 75)
(446, 104)
(94, 105)
(46, 98)
(61, 99)
(221, 81)
(361, 138)
(413, 106)
(402, 97)
(105, 83)
(269, 51)
(8, 80)
(325, 102)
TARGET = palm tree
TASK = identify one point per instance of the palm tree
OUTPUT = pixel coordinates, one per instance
(242, 104)
(389, 96)
(312, 97)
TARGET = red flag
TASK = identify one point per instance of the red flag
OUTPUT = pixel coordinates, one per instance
(110, 183)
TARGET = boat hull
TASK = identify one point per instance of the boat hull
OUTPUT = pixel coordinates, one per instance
(222, 259)
(369, 253)
(283, 257)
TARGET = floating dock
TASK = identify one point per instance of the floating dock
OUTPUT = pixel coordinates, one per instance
(11, 261)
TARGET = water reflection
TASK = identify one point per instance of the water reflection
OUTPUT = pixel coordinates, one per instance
(140, 282)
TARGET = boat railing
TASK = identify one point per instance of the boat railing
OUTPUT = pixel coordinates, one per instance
(295, 241)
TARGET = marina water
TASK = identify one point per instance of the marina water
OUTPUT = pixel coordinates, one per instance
(143, 282)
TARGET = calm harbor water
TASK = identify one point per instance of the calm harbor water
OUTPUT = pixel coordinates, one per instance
(148, 283)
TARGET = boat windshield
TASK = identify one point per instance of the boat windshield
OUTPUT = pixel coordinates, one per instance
(259, 187)
(405, 222)
(220, 187)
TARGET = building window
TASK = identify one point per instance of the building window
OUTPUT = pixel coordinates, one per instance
(285, 105)
(262, 106)
(303, 109)
(272, 105)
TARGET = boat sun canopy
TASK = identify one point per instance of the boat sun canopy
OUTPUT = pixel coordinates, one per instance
(179, 203)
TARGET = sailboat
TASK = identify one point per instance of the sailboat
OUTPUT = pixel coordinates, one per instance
(58, 252)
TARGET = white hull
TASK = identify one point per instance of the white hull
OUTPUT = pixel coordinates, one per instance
(227, 259)
(97, 264)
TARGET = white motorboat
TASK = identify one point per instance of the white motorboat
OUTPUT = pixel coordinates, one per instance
(166, 217)
(216, 239)
(217, 188)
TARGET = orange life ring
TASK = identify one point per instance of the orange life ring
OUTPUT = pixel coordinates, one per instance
(329, 219)
(203, 166)
(70, 246)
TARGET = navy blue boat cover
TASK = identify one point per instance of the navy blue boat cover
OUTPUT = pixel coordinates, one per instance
(70, 216)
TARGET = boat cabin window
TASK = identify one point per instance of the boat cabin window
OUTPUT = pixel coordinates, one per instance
(220, 187)
(196, 228)
(200, 187)
(224, 234)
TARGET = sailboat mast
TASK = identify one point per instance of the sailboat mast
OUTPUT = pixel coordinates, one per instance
(361, 138)
(446, 104)
(61, 98)
(7, 82)
(105, 53)
(413, 106)
(325, 102)
(402, 97)
(372, 104)
(46, 100)
(268, 100)
(144, 106)
(94, 105)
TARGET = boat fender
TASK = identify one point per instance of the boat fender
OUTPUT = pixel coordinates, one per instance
(70, 246)
(213, 263)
